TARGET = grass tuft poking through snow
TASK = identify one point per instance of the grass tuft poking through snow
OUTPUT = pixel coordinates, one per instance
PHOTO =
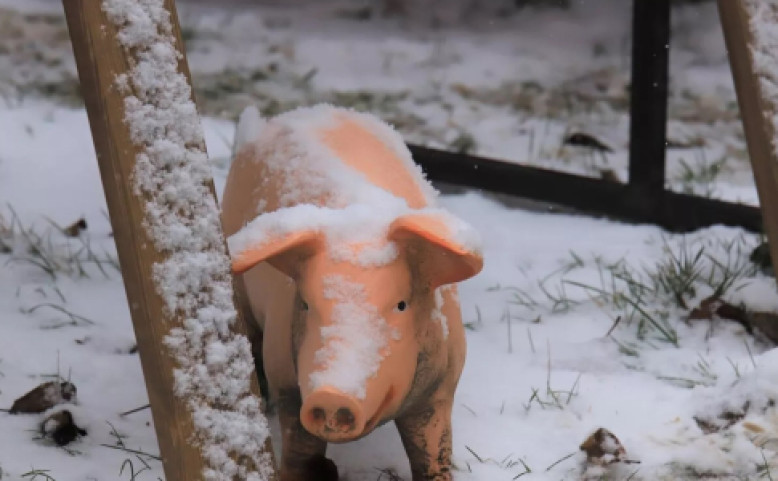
(215, 365)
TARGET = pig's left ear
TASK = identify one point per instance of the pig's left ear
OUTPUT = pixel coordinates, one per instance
(284, 252)
(446, 249)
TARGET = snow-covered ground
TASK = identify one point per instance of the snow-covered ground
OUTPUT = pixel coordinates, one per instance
(546, 366)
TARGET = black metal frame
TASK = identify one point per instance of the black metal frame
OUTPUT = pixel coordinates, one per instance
(644, 198)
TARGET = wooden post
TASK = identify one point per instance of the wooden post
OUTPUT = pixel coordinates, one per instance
(100, 58)
(757, 106)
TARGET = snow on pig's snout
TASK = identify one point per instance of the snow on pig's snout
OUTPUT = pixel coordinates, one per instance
(358, 353)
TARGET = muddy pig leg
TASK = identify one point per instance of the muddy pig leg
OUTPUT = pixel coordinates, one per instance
(426, 436)
(302, 454)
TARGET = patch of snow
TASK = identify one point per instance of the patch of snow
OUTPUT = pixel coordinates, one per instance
(310, 172)
(356, 233)
(352, 233)
(460, 232)
(355, 343)
(437, 312)
(250, 124)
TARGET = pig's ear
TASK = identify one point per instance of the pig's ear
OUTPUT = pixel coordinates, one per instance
(445, 248)
(285, 252)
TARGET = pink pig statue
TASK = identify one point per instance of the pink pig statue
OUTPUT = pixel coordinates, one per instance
(347, 268)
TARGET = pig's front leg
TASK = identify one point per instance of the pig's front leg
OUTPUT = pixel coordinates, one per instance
(426, 436)
(302, 454)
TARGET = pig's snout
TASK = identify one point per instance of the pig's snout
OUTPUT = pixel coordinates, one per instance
(333, 415)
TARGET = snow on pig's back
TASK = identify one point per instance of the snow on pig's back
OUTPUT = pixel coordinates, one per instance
(324, 156)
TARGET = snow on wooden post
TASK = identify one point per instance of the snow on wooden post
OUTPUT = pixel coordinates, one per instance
(196, 362)
(751, 33)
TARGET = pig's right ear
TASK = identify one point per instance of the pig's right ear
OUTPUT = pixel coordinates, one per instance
(284, 252)
(448, 249)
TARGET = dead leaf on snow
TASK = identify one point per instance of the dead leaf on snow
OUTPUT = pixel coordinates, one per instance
(43, 397)
(764, 322)
(61, 428)
(581, 139)
(74, 229)
(715, 307)
(603, 448)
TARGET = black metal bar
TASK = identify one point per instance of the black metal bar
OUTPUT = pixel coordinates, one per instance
(644, 199)
(648, 98)
(675, 212)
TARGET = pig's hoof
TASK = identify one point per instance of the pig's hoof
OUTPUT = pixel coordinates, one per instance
(322, 469)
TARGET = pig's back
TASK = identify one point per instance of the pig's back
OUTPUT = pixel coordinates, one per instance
(324, 156)
(378, 153)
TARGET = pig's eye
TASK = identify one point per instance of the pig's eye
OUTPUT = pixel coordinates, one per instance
(304, 305)
(401, 306)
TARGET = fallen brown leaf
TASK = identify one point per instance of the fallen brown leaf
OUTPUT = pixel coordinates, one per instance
(715, 307)
(61, 428)
(603, 448)
(581, 139)
(43, 397)
(74, 229)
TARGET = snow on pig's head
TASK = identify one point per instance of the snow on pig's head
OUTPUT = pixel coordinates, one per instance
(361, 326)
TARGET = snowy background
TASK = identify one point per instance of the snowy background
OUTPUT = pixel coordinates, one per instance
(574, 323)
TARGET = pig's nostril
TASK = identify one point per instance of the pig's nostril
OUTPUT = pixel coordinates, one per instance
(319, 415)
(345, 418)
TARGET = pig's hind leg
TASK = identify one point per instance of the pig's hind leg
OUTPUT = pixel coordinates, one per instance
(302, 454)
(426, 436)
